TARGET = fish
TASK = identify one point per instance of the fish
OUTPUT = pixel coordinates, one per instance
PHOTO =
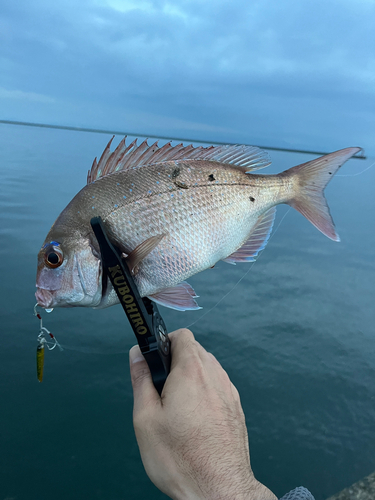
(174, 211)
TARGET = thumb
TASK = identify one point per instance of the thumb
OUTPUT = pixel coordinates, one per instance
(143, 388)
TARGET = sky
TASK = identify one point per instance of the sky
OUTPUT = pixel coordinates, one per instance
(295, 73)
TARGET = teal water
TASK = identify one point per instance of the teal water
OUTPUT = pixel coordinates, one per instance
(296, 336)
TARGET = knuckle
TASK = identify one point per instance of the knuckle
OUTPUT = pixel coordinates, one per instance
(181, 335)
(235, 393)
(184, 345)
(185, 332)
(193, 364)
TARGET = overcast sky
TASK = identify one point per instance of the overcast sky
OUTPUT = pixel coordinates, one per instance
(288, 73)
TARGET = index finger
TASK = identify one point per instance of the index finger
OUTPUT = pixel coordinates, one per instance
(184, 347)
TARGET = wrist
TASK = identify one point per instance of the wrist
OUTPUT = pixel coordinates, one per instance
(259, 491)
(248, 489)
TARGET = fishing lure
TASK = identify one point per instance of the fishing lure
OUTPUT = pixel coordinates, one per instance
(143, 314)
(40, 361)
(42, 342)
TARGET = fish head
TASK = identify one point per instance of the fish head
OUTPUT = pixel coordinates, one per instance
(69, 271)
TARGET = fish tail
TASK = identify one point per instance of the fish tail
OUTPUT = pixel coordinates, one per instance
(305, 188)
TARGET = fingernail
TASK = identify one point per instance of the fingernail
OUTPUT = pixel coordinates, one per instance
(135, 355)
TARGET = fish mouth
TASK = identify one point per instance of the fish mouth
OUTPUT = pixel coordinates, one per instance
(44, 298)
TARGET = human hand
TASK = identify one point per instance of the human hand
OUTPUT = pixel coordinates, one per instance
(193, 439)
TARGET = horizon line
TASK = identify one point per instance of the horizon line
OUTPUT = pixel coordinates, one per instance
(132, 134)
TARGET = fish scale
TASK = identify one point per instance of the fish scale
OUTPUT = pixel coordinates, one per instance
(174, 218)
(197, 221)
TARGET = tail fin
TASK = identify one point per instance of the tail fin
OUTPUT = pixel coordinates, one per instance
(308, 183)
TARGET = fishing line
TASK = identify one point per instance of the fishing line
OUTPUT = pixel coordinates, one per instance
(44, 333)
(48, 339)
(358, 173)
(92, 350)
(52, 343)
(243, 277)
(85, 350)
(250, 268)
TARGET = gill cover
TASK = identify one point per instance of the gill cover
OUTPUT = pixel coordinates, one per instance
(68, 277)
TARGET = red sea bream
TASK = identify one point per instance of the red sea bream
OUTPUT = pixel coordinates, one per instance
(173, 212)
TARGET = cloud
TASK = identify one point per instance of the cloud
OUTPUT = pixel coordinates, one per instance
(256, 69)
(27, 96)
(150, 7)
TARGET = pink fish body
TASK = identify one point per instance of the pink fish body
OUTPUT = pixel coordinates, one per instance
(174, 211)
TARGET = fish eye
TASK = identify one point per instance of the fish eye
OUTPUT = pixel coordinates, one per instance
(53, 257)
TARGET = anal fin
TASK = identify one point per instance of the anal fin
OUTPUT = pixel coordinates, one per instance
(257, 239)
(180, 297)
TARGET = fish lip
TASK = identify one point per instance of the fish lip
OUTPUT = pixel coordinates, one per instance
(44, 297)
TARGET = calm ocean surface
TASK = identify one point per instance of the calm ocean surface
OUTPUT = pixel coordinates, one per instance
(296, 336)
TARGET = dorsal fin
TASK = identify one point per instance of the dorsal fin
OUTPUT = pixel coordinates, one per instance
(125, 157)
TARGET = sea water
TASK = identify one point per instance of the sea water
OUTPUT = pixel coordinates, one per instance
(296, 336)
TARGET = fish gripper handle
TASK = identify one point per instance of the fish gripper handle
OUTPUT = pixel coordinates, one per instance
(143, 314)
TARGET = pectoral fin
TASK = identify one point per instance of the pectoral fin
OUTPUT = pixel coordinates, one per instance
(141, 251)
(180, 297)
(257, 240)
